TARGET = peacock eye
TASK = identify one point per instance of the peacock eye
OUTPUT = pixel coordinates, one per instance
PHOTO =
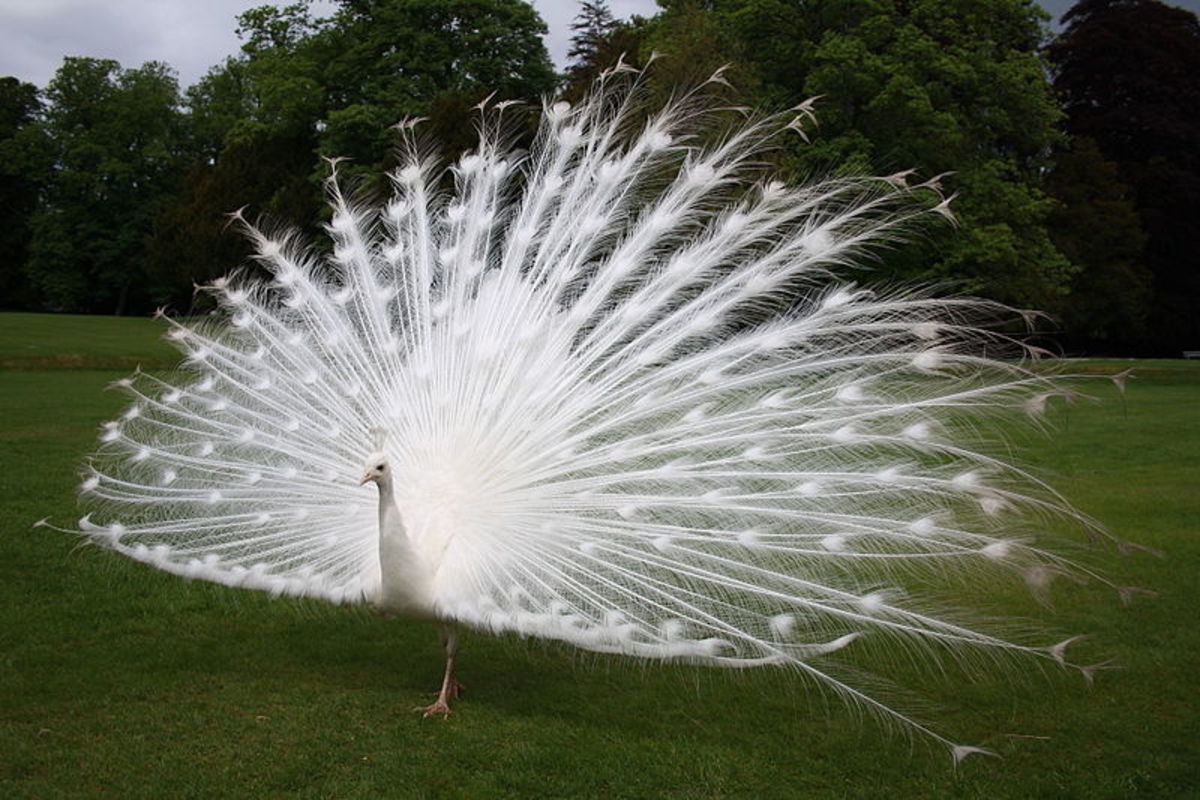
(381, 467)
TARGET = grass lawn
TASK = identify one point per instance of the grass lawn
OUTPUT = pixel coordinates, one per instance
(116, 680)
(38, 341)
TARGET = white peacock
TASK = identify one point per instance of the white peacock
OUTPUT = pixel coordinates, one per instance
(613, 392)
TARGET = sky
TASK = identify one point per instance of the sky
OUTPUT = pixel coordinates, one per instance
(191, 36)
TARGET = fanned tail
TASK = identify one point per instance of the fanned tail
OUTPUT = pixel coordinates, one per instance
(629, 402)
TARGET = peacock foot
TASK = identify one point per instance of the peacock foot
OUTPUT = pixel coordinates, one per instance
(439, 707)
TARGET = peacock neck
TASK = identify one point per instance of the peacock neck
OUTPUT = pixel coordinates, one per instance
(390, 523)
(404, 584)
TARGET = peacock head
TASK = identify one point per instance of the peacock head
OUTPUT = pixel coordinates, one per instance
(377, 469)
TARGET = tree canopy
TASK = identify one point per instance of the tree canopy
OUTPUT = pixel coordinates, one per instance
(23, 163)
(305, 88)
(1078, 197)
(592, 27)
(940, 87)
(113, 138)
(1128, 73)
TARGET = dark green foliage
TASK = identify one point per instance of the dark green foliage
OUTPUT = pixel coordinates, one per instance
(695, 44)
(113, 197)
(1128, 72)
(374, 63)
(1096, 226)
(308, 88)
(599, 47)
(926, 85)
(114, 137)
(592, 26)
(394, 55)
(196, 238)
(23, 171)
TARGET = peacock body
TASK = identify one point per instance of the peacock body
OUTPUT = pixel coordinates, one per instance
(615, 392)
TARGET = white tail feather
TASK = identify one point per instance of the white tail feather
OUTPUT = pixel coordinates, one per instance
(636, 414)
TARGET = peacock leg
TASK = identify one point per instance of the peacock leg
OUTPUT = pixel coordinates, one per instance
(450, 687)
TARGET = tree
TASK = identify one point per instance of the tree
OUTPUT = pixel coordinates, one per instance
(1128, 73)
(115, 137)
(194, 241)
(271, 29)
(386, 60)
(346, 80)
(226, 104)
(22, 174)
(1097, 227)
(592, 26)
(933, 85)
(600, 46)
(696, 43)
(303, 88)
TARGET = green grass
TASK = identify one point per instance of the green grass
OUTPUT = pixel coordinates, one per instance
(32, 341)
(116, 680)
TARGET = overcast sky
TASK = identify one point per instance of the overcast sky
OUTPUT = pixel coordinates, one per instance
(193, 35)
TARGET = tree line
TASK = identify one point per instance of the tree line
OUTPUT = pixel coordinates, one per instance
(1073, 157)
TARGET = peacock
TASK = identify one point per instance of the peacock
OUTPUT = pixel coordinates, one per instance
(620, 389)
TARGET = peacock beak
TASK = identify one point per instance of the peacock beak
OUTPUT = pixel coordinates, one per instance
(367, 478)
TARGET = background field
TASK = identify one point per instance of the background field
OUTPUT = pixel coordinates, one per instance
(120, 681)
